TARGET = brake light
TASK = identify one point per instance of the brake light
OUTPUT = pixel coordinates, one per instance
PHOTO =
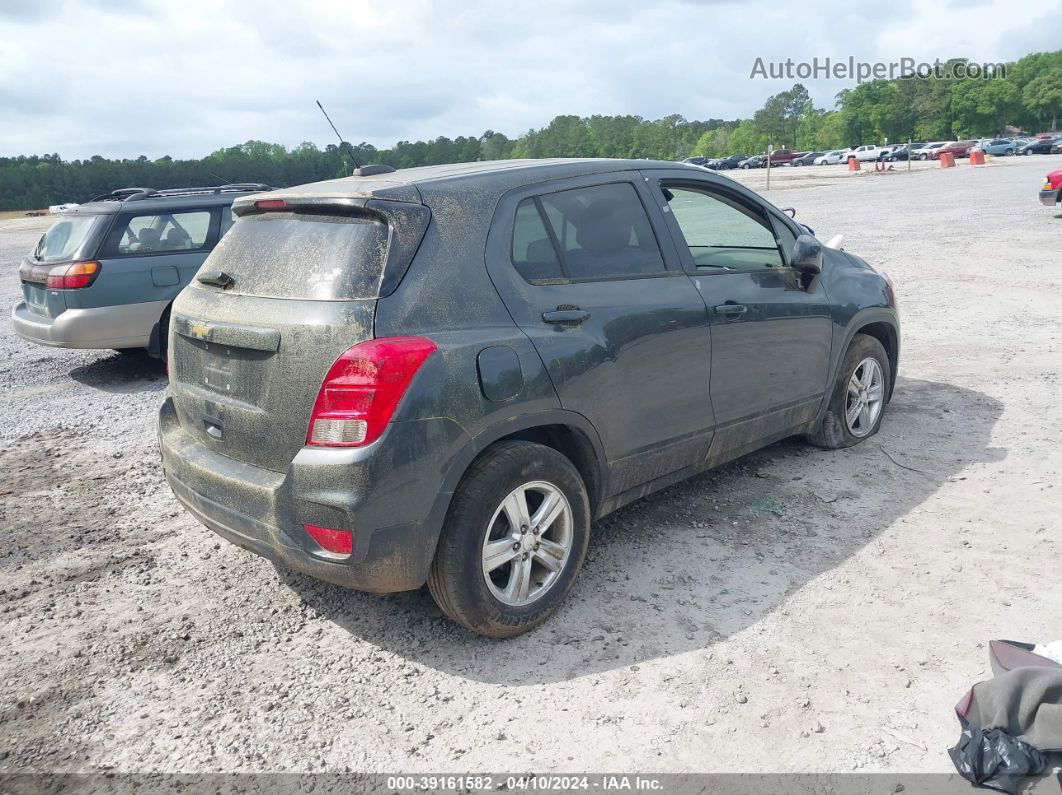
(73, 276)
(339, 541)
(271, 204)
(362, 390)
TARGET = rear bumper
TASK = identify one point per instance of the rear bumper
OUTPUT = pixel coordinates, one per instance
(118, 326)
(1049, 198)
(390, 496)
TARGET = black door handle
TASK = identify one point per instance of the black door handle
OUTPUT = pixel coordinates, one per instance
(731, 310)
(572, 316)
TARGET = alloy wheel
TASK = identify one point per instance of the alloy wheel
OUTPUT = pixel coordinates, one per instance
(527, 543)
(865, 397)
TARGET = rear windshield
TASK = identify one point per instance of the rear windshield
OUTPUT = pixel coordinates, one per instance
(67, 238)
(303, 255)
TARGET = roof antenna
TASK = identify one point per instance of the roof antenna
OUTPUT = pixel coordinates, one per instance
(342, 143)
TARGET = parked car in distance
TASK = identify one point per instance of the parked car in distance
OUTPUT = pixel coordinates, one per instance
(1056, 147)
(1051, 192)
(1040, 146)
(781, 157)
(830, 158)
(904, 151)
(954, 148)
(866, 153)
(696, 160)
(807, 159)
(105, 273)
(756, 161)
(999, 146)
(733, 161)
(442, 374)
(932, 150)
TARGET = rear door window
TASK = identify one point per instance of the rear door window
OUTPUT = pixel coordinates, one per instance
(602, 232)
(533, 254)
(154, 233)
(303, 255)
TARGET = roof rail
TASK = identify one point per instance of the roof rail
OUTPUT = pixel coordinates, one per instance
(139, 194)
(122, 194)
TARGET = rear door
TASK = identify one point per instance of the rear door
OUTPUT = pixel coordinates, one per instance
(771, 328)
(150, 255)
(623, 336)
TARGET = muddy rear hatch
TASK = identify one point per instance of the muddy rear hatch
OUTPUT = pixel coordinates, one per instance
(288, 290)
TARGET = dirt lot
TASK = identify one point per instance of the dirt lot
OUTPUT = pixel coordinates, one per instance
(798, 610)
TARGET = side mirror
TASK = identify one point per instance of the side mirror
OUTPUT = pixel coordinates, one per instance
(807, 255)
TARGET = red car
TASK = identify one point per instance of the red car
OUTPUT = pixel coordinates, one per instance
(1051, 192)
(782, 157)
(960, 149)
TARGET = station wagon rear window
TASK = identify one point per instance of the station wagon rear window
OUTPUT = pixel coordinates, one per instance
(303, 255)
(66, 238)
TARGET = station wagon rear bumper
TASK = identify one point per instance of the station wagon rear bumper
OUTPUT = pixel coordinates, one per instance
(1049, 198)
(118, 326)
(394, 532)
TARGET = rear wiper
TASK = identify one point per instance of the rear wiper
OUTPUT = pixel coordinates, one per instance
(216, 278)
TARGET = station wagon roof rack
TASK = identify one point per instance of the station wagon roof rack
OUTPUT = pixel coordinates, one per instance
(138, 194)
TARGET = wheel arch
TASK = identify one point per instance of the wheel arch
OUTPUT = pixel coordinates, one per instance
(887, 334)
(568, 432)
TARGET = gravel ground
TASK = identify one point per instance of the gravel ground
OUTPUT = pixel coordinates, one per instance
(798, 610)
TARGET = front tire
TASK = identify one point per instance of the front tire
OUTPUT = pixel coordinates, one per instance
(514, 540)
(857, 404)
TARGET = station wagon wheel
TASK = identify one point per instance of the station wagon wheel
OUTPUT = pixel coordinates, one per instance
(527, 543)
(865, 397)
(513, 541)
(857, 402)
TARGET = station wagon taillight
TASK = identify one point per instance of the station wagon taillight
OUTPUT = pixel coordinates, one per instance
(362, 390)
(73, 276)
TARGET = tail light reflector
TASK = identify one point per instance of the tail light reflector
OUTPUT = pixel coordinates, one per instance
(339, 541)
(362, 390)
(73, 276)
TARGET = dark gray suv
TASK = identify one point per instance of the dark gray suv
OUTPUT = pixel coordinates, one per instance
(445, 374)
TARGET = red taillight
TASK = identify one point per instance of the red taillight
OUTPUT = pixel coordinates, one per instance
(339, 541)
(73, 276)
(271, 204)
(362, 390)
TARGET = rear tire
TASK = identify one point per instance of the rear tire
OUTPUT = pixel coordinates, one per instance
(836, 430)
(489, 573)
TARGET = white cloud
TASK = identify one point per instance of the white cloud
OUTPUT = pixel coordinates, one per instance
(185, 78)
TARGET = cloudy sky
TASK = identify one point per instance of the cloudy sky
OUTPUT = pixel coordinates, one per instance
(185, 77)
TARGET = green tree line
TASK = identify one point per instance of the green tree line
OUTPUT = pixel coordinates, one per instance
(1029, 98)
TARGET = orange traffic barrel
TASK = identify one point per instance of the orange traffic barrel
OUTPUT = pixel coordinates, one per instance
(977, 157)
(853, 163)
(947, 160)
